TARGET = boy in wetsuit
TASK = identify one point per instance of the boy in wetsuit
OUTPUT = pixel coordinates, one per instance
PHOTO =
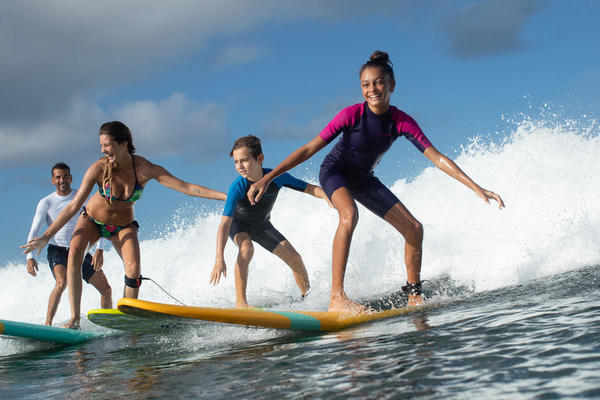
(245, 223)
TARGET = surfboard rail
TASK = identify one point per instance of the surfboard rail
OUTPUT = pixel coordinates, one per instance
(45, 333)
(292, 320)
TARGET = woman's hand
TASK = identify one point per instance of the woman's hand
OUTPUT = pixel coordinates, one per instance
(36, 243)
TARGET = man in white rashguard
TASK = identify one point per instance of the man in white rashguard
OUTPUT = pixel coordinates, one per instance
(58, 248)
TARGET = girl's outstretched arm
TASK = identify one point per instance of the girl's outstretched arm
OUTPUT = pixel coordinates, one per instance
(257, 189)
(449, 167)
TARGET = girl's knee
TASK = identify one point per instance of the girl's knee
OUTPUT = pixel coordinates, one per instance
(348, 217)
(415, 234)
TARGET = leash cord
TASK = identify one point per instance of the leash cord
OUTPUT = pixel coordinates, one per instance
(168, 294)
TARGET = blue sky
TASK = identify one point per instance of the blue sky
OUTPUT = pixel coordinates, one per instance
(190, 77)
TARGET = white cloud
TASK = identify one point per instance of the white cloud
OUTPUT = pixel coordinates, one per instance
(238, 54)
(59, 57)
(173, 126)
(54, 50)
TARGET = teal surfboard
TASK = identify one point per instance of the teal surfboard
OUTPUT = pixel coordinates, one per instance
(44, 333)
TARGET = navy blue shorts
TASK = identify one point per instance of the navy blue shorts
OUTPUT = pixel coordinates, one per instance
(58, 255)
(368, 190)
(263, 233)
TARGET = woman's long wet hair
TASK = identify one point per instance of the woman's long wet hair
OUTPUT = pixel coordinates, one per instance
(120, 133)
(379, 59)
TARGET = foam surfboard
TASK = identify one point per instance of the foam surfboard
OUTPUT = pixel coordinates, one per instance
(115, 319)
(44, 333)
(292, 320)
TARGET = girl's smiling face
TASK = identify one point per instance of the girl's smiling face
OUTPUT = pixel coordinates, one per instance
(377, 88)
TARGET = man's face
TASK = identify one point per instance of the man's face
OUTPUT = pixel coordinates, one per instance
(61, 178)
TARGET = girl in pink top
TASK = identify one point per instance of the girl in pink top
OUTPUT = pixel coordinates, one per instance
(367, 131)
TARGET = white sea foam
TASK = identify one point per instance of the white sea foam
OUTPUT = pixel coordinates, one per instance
(547, 173)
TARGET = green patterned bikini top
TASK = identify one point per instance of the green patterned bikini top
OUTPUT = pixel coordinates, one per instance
(135, 196)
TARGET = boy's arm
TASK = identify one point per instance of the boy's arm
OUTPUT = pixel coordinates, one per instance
(318, 192)
(315, 191)
(220, 267)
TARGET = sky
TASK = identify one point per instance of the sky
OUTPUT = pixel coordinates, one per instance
(190, 77)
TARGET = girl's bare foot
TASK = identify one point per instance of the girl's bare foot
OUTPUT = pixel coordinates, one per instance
(341, 303)
(414, 300)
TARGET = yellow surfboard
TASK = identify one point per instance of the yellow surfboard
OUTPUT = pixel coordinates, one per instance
(292, 320)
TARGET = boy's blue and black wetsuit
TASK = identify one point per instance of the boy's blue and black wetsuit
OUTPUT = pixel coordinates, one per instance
(255, 220)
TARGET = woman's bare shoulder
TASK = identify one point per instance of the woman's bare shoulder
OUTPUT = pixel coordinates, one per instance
(145, 169)
(97, 168)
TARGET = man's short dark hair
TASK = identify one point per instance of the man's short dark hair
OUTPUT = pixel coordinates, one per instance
(60, 165)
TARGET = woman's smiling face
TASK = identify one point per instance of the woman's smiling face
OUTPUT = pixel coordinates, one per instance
(113, 150)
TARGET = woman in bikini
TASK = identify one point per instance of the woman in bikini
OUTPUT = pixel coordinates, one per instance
(367, 131)
(120, 177)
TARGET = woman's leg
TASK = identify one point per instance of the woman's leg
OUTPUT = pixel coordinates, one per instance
(85, 232)
(412, 231)
(348, 218)
(128, 247)
(290, 256)
(245, 253)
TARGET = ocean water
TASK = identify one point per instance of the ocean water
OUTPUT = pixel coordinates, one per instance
(515, 295)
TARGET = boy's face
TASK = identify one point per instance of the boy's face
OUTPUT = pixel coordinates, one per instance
(246, 165)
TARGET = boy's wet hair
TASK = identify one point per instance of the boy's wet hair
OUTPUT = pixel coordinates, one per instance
(251, 142)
